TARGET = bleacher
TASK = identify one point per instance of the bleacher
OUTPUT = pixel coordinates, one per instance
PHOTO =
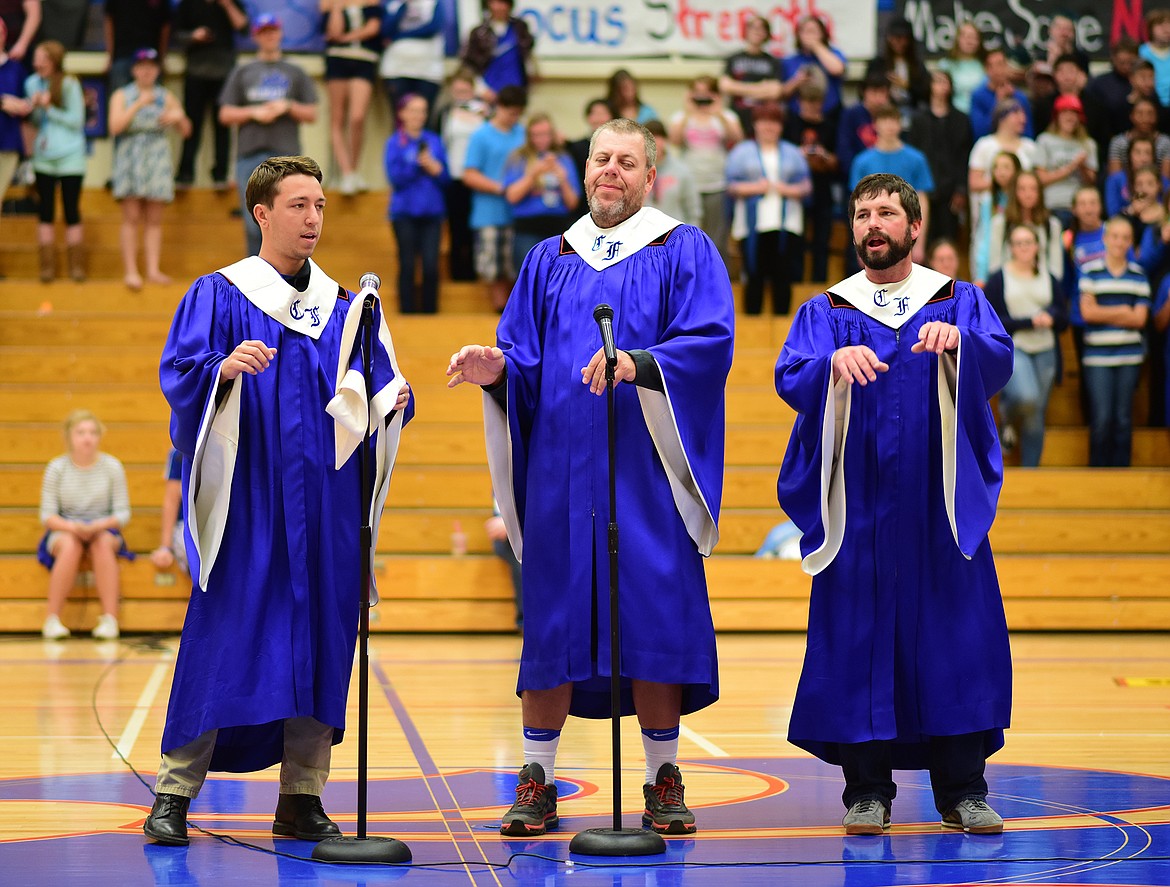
(1076, 548)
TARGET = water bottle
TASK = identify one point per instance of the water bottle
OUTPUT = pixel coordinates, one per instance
(458, 540)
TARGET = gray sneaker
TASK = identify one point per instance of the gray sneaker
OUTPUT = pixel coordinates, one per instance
(974, 816)
(535, 810)
(867, 817)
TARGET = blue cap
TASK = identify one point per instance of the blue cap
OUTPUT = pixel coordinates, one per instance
(146, 55)
(267, 20)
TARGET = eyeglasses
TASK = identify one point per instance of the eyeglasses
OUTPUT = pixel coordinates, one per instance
(1028, 241)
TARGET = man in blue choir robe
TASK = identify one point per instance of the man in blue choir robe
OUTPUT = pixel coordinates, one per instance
(892, 473)
(268, 406)
(547, 448)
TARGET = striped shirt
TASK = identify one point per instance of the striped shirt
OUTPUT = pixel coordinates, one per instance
(85, 494)
(1105, 344)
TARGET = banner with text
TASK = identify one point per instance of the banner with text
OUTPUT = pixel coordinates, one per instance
(621, 29)
(1010, 23)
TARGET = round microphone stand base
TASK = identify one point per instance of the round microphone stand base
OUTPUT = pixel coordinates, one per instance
(347, 848)
(617, 842)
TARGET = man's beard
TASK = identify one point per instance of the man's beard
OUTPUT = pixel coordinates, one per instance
(895, 252)
(616, 212)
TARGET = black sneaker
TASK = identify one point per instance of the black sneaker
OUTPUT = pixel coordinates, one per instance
(666, 811)
(535, 810)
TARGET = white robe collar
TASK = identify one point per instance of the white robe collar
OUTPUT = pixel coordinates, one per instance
(603, 248)
(306, 313)
(891, 304)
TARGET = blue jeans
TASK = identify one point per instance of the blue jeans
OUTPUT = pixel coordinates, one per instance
(418, 241)
(245, 166)
(1111, 413)
(1024, 400)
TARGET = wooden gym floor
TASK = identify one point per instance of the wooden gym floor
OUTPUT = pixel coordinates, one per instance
(1084, 781)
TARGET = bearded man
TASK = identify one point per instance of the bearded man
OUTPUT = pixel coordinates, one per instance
(892, 473)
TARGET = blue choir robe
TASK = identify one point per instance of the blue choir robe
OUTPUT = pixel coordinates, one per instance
(894, 486)
(273, 504)
(547, 449)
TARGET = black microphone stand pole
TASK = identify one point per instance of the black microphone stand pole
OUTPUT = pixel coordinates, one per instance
(362, 848)
(615, 841)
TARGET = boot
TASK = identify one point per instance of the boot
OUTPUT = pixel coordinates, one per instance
(48, 255)
(77, 262)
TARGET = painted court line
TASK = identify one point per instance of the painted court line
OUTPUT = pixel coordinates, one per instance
(702, 742)
(142, 709)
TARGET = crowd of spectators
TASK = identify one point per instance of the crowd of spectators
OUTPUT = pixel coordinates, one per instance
(996, 141)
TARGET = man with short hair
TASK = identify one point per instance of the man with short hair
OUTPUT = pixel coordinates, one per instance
(274, 509)
(267, 99)
(491, 213)
(892, 474)
(890, 154)
(1068, 79)
(997, 87)
(547, 442)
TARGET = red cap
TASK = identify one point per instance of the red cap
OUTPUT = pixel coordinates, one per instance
(1068, 103)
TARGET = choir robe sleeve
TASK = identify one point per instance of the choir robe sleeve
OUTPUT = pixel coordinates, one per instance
(694, 353)
(811, 486)
(205, 416)
(507, 425)
(357, 411)
(972, 459)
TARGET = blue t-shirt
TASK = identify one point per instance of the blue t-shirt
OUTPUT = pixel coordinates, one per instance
(791, 64)
(550, 200)
(1161, 65)
(487, 152)
(907, 162)
(11, 83)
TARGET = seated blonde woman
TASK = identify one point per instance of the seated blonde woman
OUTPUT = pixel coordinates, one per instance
(84, 505)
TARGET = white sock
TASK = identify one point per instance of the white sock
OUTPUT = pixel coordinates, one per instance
(540, 747)
(661, 747)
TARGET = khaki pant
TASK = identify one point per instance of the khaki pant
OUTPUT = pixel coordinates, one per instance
(308, 745)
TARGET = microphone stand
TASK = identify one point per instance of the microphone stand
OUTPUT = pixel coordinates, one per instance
(615, 841)
(362, 848)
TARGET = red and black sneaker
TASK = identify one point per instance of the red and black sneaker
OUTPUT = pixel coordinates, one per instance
(535, 810)
(666, 811)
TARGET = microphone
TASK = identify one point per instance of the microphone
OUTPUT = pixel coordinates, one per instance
(603, 314)
(370, 280)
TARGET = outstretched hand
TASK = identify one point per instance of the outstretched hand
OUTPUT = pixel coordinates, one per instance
(936, 337)
(477, 364)
(857, 363)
